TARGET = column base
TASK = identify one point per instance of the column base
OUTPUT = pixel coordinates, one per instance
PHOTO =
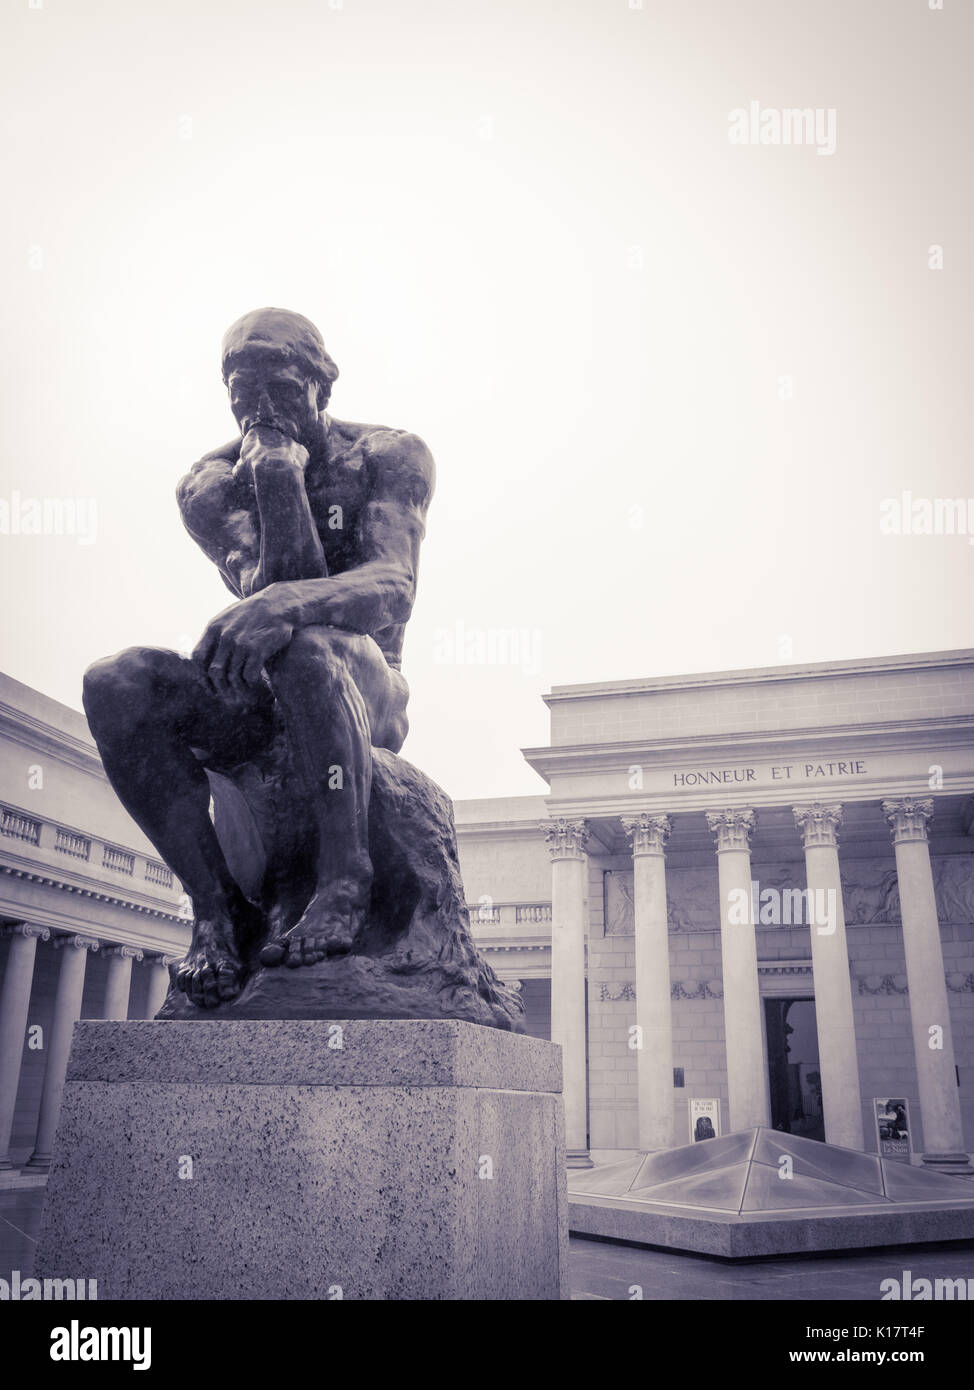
(5, 1164)
(957, 1165)
(38, 1163)
(578, 1158)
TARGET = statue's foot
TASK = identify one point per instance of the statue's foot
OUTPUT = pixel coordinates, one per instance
(322, 931)
(212, 971)
(209, 978)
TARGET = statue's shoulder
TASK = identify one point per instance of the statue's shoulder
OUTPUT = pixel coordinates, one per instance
(399, 462)
(209, 487)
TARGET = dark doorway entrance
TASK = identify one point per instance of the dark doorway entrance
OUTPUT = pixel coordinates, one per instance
(793, 1069)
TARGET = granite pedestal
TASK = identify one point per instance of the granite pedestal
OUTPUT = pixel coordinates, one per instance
(419, 1159)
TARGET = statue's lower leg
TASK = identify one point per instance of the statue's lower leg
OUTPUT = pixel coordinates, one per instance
(147, 708)
(227, 926)
(339, 904)
(335, 764)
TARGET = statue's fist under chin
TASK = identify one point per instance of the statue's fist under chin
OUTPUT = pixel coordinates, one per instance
(267, 448)
(239, 642)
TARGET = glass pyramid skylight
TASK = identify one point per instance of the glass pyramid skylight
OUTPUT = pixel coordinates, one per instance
(763, 1171)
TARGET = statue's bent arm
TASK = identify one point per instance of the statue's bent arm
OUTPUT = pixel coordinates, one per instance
(220, 514)
(379, 592)
(290, 546)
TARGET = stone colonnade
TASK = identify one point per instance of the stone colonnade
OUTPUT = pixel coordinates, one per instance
(817, 824)
(15, 994)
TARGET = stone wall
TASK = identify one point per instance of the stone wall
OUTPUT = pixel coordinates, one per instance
(512, 868)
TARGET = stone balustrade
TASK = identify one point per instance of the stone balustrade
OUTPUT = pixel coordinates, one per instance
(63, 840)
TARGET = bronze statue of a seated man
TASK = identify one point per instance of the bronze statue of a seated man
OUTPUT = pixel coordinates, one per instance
(315, 525)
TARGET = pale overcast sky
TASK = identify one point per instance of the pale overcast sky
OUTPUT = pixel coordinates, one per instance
(525, 234)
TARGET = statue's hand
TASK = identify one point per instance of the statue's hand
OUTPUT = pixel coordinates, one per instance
(266, 449)
(239, 642)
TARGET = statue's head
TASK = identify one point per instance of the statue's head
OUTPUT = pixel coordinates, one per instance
(277, 372)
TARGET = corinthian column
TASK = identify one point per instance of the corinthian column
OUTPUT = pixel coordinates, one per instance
(746, 1090)
(14, 1003)
(119, 980)
(933, 1045)
(67, 1011)
(654, 1056)
(566, 840)
(837, 1057)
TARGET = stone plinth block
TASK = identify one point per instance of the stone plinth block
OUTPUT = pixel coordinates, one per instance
(370, 1159)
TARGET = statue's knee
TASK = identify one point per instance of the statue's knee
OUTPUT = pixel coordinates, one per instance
(117, 685)
(325, 650)
(101, 680)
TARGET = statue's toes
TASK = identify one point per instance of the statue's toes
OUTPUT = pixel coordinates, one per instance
(207, 993)
(295, 953)
(305, 950)
(228, 980)
(189, 983)
(208, 985)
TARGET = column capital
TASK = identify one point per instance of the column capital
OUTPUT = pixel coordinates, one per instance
(26, 929)
(647, 832)
(166, 961)
(732, 827)
(908, 817)
(566, 839)
(125, 952)
(80, 943)
(818, 823)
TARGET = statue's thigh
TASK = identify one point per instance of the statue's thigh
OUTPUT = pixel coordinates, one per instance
(224, 730)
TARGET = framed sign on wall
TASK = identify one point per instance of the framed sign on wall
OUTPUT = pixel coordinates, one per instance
(704, 1119)
(893, 1128)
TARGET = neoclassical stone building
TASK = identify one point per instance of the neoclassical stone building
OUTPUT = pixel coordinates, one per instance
(90, 917)
(754, 889)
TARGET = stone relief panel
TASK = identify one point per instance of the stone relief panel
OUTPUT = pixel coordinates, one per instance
(691, 899)
(618, 903)
(953, 881)
(869, 893)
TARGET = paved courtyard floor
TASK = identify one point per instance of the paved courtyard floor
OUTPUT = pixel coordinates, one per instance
(604, 1272)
